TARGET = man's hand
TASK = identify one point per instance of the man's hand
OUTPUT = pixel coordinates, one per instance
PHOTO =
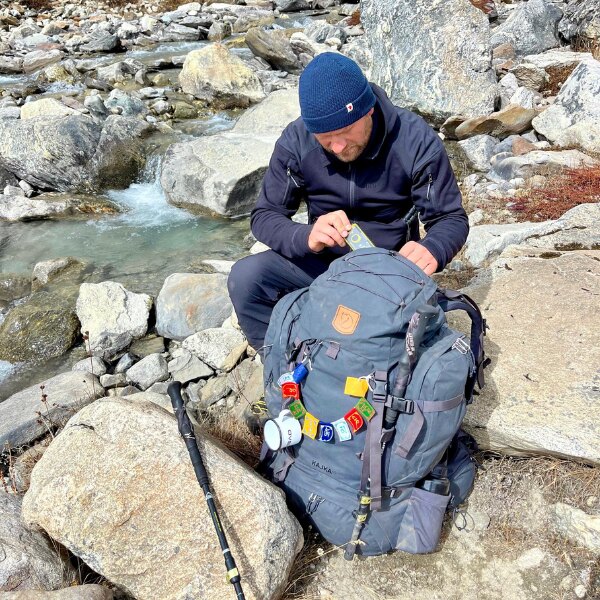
(419, 255)
(329, 230)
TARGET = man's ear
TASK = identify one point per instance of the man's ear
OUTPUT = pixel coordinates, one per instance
(370, 113)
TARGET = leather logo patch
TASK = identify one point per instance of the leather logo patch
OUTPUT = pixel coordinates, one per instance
(345, 320)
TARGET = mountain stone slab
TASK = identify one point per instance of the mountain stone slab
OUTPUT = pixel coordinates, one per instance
(118, 489)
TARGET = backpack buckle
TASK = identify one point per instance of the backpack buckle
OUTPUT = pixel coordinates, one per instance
(400, 404)
(461, 345)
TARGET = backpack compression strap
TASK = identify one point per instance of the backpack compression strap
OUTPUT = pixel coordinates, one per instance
(450, 300)
(372, 455)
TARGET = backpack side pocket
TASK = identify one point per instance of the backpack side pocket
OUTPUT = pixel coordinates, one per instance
(421, 526)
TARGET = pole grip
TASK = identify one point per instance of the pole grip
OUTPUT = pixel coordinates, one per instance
(414, 338)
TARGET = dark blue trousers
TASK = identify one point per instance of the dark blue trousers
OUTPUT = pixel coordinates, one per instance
(257, 282)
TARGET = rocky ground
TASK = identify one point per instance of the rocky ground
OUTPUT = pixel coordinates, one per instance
(512, 87)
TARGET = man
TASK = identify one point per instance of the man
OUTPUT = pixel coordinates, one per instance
(353, 157)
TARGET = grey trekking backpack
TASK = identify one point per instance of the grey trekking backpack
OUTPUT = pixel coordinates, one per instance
(365, 361)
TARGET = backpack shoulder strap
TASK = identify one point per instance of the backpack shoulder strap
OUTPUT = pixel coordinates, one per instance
(450, 300)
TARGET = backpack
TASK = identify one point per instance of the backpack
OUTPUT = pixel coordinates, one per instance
(382, 384)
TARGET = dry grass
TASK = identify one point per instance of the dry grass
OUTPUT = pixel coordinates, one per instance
(235, 436)
(560, 480)
(562, 192)
(117, 3)
(585, 44)
(306, 567)
(518, 494)
(170, 5)
(556, 77)
(354, 19)
(38, 5)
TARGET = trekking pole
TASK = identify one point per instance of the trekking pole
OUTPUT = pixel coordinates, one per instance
(361, 516)
(187, 433)
(414, 337)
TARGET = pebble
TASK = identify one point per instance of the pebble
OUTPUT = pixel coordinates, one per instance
(566, 583)
(580, 591)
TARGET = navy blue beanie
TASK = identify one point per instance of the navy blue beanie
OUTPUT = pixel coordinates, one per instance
(334, 93)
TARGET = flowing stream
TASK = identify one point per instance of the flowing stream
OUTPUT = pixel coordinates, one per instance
(139, 248)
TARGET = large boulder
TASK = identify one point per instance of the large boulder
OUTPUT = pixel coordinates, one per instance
(292, 5)
(117, 488)
(531, 27)
(574, 118)
(50, 205)
(121, 153)
(581, 20)
(222, 173)
(29, 560)
(190, 302)
(24, 417)
(538, 162)
(100, 41)
(90, 591)
(112, 315)
(72, 152)
(220, 348)
(270, 116)
(529, 406)
(37, 59)
(434, 59)
(19, 208)
(220, 78)
(43, 327)
(578, 228)
(45, 107)
(50, 152)
(219, 174)
(274, 46)
(508, 121)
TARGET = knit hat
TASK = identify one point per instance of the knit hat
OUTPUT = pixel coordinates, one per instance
(334, 93)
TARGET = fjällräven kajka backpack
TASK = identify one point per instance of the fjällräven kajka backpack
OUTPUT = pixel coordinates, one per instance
(379, 383)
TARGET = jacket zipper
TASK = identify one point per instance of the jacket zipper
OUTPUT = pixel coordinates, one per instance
(430, 188)
(289, 174)
(351, 187)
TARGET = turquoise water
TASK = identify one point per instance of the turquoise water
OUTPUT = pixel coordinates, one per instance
(139, 248)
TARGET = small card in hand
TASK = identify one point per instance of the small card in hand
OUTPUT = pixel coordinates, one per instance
(357, 239)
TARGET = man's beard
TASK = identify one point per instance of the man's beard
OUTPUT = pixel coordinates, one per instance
(352, 153)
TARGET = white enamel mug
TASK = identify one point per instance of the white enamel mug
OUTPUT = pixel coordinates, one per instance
(283, 431)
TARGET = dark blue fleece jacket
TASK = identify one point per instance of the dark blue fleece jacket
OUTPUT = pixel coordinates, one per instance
(404, 165)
